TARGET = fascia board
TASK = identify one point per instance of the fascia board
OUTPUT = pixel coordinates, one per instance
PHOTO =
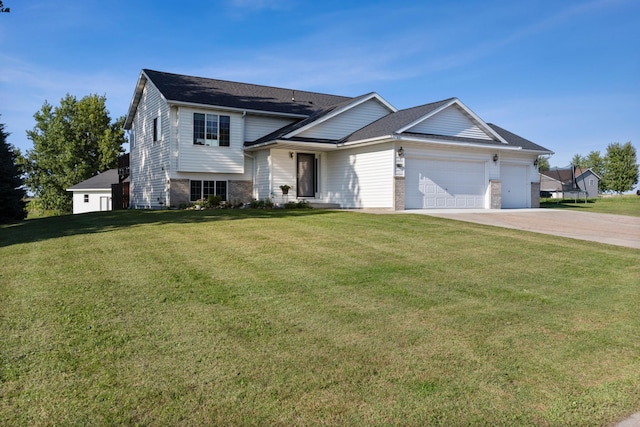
(234, 110)
(372, 95)
(135, 99)
(462, 144)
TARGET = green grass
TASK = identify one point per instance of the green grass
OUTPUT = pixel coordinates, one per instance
(619, 205)
(312, 318)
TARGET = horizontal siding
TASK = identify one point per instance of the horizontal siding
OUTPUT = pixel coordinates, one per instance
(283, 171)
(347, 122)
(450, 122)
(150, 160)
(262, 178)
(199, 158)
(255, 127)
(361, 178)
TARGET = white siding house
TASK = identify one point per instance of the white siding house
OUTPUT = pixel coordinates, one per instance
(192, 137)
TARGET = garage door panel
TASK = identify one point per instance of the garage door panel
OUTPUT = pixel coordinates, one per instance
(441, 184)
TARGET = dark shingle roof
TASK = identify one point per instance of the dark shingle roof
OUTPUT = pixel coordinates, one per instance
(199, 90)
(99, 182)
(565, 175)
(280, 133)
(516, 140)
(390, 123)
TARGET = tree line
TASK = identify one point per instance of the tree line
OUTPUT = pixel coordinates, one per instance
(617, 169)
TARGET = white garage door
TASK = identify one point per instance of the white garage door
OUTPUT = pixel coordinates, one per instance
(515, 188)
(436, 184)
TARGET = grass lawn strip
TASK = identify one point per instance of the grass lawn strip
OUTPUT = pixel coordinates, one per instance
(298, 318)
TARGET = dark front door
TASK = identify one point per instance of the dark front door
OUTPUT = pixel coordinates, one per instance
(306, 175)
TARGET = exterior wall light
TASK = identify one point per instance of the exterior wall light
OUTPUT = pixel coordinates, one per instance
(495, 157)
(400, 152)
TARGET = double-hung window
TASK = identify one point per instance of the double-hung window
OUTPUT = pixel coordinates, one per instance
(204, 189)
(211, 129)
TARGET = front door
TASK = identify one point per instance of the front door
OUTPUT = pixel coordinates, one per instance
(306, 175)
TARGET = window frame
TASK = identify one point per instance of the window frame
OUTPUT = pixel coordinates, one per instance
(219, 188)
(86, 198)
(204, 133)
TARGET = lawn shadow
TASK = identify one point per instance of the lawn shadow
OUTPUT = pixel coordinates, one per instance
(40, 229)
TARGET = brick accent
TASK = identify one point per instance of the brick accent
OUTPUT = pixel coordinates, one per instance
(239, 191)
(179, 192)
(535, 194)
(495, 194)
(399, 193)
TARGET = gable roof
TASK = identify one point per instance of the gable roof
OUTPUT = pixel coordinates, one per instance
(102, 181)
(564, 175)
(579, 172)
(178, 88)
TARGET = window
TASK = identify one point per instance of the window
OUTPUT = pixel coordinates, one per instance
(204, 189)
(211, 129)
(155, 129)
(86, 198)
(592, 182)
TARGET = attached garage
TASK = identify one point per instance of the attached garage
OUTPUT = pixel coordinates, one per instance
(436, 184)
(515, 186)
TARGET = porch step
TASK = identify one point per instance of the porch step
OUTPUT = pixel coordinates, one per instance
(316, 205)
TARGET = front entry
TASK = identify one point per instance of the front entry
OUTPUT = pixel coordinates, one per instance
(306, 175)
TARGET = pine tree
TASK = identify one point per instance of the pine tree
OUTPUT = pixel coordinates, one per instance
(12, 204)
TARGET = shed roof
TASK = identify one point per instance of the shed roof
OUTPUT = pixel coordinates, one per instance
(102, 181)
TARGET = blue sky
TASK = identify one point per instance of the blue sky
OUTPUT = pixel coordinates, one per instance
(563, 74)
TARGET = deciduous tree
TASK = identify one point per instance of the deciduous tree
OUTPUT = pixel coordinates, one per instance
(71, 143)
(12, 204)
(620, 167)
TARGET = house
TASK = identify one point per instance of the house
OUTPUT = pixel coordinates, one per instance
(588, 181)
(569, 182)
(193, 137)
(94, 194)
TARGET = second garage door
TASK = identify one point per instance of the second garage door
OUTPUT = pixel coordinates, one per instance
(437, 184)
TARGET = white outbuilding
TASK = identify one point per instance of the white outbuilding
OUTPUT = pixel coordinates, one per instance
(94, 194)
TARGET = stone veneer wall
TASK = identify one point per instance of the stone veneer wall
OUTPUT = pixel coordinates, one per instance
(535, 194)
(179, 192)
(399, 193)
(240, 192)
(495, 193)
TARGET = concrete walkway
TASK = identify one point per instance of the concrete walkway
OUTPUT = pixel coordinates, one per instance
(617, 230)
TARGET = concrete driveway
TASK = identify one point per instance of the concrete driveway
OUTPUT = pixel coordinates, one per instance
(604, 228)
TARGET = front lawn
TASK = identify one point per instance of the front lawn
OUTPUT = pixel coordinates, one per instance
(312, 318)
(619, 205)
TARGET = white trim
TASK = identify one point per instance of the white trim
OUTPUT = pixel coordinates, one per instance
(235, 110)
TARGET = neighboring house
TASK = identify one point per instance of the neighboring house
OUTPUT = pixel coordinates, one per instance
(94, 194)
(588, 181)
(192, 137)
(569, 182)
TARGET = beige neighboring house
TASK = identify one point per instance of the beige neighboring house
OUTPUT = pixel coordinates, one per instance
(94, 194)
(193, 137)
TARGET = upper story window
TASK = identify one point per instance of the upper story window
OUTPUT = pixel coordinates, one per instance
(211, 129)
